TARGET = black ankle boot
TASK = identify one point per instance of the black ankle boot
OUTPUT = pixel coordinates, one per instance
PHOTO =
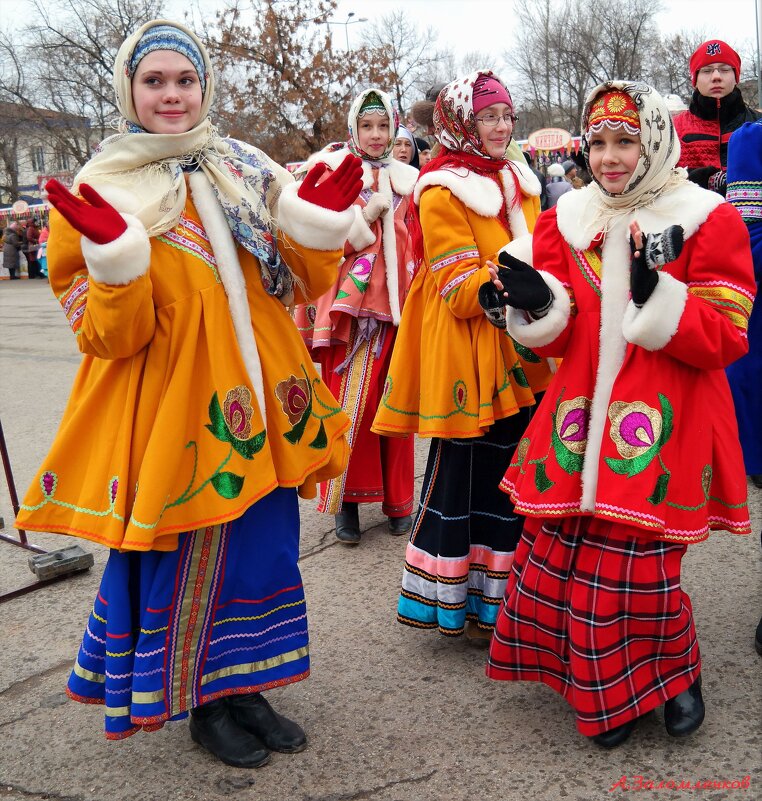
(213, 728)
(253, 713)
(684, 713)
(400, 525)
(348, 524)
(614, 737)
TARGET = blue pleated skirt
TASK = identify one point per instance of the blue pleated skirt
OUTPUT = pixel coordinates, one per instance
(223, 614)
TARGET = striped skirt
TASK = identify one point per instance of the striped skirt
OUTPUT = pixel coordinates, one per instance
(223, 614)
(461, 547)
(600, 617)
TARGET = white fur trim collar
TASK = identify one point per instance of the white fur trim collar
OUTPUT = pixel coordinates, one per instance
(229, 268)
(481, 194)
(689, 205)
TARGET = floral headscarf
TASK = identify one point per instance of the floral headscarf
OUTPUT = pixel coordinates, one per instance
(454, 118)
(356, 112)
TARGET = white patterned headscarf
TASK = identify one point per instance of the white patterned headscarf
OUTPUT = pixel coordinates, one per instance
(246, 182)
(656, 172)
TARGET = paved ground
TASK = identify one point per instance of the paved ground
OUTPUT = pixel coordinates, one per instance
(392, 714)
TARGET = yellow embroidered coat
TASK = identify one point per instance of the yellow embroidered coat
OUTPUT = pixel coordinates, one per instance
(165, 430)
(453, 373)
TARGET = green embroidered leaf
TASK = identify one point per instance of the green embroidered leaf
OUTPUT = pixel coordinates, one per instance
(570, 462)
(218, 426)
(631, 467)
(297, 431)
(361, 285)
(228, 485)
(668, 417)
(526, 354)
(541, 480)
(341, 294)
(520, 376)
(248, 448)
(321, 440)
(660, 490)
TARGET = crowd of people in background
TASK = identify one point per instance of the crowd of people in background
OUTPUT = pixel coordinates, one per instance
(559, 333)
(25, 244)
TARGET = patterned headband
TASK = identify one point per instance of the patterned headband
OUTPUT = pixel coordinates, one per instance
(167, 37)
(614, 110)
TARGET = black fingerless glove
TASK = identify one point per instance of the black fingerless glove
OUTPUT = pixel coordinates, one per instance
(658, 250)
(525, 286)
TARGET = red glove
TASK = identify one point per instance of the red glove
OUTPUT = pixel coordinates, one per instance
(339, 191)
(96, 219)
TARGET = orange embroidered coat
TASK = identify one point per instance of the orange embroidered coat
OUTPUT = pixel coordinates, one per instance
(453, 374)
(196, 396)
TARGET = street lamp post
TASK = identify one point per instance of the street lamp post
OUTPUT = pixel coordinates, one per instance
(349, 21)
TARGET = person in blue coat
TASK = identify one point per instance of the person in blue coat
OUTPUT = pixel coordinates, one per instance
(745, 376)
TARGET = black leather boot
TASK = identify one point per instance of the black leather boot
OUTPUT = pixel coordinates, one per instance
(213, 728)
(614, 737)
(252, 713)
(400, 525)
(348, 524)
(684, 713)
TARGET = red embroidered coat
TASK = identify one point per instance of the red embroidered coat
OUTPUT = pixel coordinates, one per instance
(638, 425)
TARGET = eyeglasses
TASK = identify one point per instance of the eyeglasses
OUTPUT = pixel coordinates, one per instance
(491, 120)
(723, 69)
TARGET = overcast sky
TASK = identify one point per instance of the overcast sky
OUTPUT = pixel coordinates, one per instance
(468, 25)
(487, 25)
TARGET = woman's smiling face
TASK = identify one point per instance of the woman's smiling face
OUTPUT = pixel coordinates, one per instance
(613, 157)
(166, 92)
(373, 134)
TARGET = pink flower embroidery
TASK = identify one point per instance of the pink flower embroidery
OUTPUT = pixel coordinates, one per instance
(238, 412)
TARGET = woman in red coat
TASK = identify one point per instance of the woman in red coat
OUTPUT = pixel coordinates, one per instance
(644, 286)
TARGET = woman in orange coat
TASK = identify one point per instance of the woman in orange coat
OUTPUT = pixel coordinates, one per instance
(186, 436)
(456, 378)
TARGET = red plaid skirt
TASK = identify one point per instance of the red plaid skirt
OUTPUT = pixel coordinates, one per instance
(600, 617)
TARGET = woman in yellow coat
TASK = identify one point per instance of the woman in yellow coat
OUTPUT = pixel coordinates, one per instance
(456, 378)
(196, 413)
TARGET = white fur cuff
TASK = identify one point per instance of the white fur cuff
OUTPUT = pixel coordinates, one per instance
(655, 323)
(311, 225)
(536, 333)
(360, 234)
(122, 261)
(520, 248)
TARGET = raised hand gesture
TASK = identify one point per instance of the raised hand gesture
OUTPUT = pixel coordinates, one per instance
(519, 285)
(96, 219)
(339, 190)
(648, 254)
